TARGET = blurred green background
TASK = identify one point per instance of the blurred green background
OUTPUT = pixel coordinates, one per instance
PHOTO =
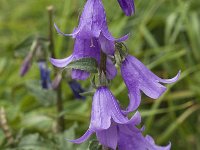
(164, 35)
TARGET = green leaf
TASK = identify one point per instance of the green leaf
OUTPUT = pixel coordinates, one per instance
(94, 145)
(86, 64)
(24, 46)
(45, 97)
(35, 141)
(88, 93)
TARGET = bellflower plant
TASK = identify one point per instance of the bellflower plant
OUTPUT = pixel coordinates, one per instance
(111, 124)
(139, 78)
(127, 6)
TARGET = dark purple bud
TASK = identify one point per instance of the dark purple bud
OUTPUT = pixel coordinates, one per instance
(44, 75)
(26, 64)
(76, 89)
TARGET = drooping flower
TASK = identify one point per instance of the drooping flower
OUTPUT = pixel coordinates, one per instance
(44, 75)
(83, 49)
(124, 136)
(127, 6)
(105, 112)
(131, 138)
(93, 25)
(76, 89)
(139, 78)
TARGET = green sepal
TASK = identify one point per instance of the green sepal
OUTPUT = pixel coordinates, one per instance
(85, 64)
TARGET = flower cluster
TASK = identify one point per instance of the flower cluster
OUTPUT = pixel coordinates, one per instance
(110, 123)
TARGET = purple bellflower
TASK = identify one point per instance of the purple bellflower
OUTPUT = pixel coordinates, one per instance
(76, 89)
(127, 6)
(128, 137)
(44, 75)
(139, 78)
(83, 49)
(93, 25)
(105, 112)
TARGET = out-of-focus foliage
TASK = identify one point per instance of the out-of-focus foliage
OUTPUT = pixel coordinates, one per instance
(164, 35)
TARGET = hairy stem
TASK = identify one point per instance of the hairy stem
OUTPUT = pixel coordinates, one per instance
(59, 102)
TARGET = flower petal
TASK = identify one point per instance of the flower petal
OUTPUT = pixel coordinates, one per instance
(108, 137)
(105, 108)
(60, 32)
(111, 70)
(107, 46)
(131, 138)
(174, 79)
(137, 77)
(123, 38)
(79, 74)
(152, 146)
(100, 117)
(83, 138)
(127, 6)
(61, 62)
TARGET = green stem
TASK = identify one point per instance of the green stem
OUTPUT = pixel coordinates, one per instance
(59, 102)
(102, 69)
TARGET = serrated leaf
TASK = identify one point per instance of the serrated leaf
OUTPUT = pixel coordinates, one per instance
(86, 64)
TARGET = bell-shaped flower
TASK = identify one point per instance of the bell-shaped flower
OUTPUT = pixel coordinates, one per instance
(105, 112)
(127, 6)
(84, 48)
(93, 25)
(138, 77)
(128, 137)
(44, 75)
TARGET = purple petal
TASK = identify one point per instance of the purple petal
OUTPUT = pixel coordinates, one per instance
(108, 137)
(87, 48)
(130, 138)
(91, 20)
(135, 99)
(79, 74)
(124, 38)
(152, 146)
(137, 77)
(100, 117)
(105, 107)
(107, 45)
(111, 70)
(114, 109)
(26, 64)
(174, 79)
(61, 62)
(83, 138)
(60, 32)
(127, 6)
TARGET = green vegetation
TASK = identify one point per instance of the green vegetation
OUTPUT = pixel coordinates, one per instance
(164, 35)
